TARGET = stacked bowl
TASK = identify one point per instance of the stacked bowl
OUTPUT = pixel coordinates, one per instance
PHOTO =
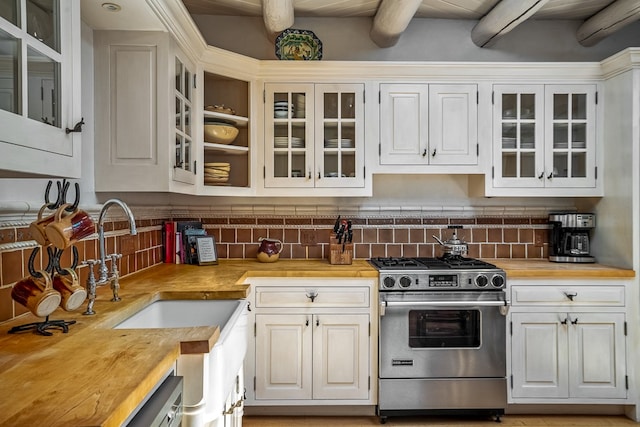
(281, 109)
(216, 173)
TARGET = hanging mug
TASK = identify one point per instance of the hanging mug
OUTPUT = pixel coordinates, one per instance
(37, 228)
(69, 227)
(37, 294)
(72, 292)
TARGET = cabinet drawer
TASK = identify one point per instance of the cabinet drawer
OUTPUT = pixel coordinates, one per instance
(571, 295)
(280, 296)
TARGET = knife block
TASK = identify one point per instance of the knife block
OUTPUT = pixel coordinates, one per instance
(337, 256)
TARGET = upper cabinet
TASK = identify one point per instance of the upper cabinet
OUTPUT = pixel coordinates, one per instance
(40, 88)
(544, 140)
(428, 124)
(144, 134)
(314, 138)
(226, 138)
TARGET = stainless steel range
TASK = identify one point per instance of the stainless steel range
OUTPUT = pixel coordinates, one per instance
(442, 336)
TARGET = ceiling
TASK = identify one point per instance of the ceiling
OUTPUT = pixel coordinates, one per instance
(390, 18)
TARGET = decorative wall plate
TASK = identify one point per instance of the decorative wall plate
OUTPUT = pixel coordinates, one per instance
(300, 45)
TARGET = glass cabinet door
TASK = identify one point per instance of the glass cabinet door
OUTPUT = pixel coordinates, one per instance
(571, 135)
(289, 135)
(339, 135)
(518, 128)
(184, 167)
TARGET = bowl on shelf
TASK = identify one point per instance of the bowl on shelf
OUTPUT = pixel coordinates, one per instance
(220, 133)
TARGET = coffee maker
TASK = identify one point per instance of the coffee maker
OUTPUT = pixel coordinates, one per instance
(570, 237)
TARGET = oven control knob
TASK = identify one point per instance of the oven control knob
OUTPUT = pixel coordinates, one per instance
(405, 281)
(497, 281)
(481, 280)
(388, 282)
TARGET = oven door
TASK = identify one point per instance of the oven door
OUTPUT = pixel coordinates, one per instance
(442, 334)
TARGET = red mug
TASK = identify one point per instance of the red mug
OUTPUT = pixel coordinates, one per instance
(37, 294)
(69, 227)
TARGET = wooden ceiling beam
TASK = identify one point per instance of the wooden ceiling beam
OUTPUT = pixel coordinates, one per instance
(391, 19)
(278, 15)
(608, 21)
(504, 17)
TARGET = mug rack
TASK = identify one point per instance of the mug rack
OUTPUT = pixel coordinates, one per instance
(53, 265)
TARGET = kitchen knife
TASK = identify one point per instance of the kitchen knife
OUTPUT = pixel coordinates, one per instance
(336, 225)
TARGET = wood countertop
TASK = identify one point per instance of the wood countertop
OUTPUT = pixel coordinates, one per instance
(96, 376)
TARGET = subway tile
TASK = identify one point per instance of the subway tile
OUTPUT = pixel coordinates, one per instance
(270, 221)
(409, 250)
(258, 233)
(23, 234)
(462, 221)
(276, 233)
(243, 221)
(385, 235)
(243, 235)
(473, 250)
(534, 251)
(378, 250)
(314, 252)
(292, 235)
(7, 235)
(324, 221)
(518, 251)
(488, 220)
(487, 250)
(416, 235)
(362, 250)
(503, 251)
(12, 267)
(408, 221)
(525, 235)
(223, 250)
(540, 221)
(370, 235)
(541, 236)
(298, 251)
(394, 250)
(236, 250)
(6, 305)
(435, 221)
(401, 235)
(510, 235)
(228, 235)
(478, 235)
(297, 221)
(380, 221)
(285, 253)
(426, 250)
(215, 221)
(494, 235)
(514, 221)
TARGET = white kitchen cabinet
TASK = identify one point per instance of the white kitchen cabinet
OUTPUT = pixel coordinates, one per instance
(314, 137)
(313, 342)
(428, 124)
(40, 89)
(544, 140)
(568, 344)
(144, 133)
(231, 97)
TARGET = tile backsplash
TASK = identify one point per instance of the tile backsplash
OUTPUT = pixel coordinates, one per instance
(303, 237)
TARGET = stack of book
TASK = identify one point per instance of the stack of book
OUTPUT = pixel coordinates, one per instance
(180, 241)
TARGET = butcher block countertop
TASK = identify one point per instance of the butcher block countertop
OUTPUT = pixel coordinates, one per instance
(96, 376)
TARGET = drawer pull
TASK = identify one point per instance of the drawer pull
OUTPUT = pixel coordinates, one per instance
(571, 295)
(312, 295)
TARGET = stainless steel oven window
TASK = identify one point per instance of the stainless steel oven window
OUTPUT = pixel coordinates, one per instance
(444, 329)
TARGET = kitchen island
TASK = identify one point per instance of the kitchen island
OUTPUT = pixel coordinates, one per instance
(95, 375)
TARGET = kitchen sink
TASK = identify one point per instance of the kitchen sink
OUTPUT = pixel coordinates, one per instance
(208, 377)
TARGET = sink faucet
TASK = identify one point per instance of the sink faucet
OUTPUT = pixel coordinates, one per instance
(104, 276)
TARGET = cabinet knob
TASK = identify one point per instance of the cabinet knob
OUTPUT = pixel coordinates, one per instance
(319, 175)
(312, 295)
(541, 175)
(317, 322)
(309, 175)
(575, 321)
(434, 153)
(550, 175)
(424, 153)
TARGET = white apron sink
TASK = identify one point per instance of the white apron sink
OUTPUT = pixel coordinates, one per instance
(208, 377)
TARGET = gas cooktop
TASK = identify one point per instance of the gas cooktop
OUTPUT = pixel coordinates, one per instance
(443, 263)
(451, 272)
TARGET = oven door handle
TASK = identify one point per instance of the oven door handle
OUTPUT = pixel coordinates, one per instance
(385, 304)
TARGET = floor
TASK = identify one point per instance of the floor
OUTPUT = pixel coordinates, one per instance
(506, 421)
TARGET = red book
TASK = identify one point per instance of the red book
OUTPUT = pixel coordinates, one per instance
(169, 242)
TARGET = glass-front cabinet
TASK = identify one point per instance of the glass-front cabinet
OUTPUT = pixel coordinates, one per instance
(184, 163)
(40, 87)
(544, 136)
(314, 135)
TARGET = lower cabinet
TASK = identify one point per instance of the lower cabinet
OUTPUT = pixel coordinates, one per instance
(312, 356)
(568, 344)
(313, 342)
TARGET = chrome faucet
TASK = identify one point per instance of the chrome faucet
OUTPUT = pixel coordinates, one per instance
(104, 277)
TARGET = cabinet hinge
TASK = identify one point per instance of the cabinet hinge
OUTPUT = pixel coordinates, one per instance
(477, 97)
(596, 97)
(364, 96)
(380, 149)
(511, 328)
(264, 96)
(370, 329)
(511, 381)
(264, 172)
(492, 96)
(370, 382)
(625, 328)
(478, 150)
(492, 172)
(195, 81)
(195, 167)
(379, 97)
(254, 384)
(596, 172)
(255, 329)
